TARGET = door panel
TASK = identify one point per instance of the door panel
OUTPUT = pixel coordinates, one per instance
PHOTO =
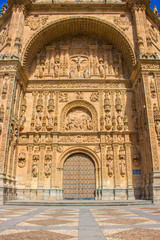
(78, 177)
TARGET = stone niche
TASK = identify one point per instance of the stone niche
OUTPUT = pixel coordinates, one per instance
(78, 57)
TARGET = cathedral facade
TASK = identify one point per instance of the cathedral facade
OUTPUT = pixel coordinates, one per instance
(79, 100)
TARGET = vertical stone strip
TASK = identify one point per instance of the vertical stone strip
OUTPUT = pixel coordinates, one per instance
(33, 111)
(116, 165)
(129, 168)
(151, 125)
(29, 165)
(53, 170)
(41, 167)
(4, 140)
(103, 159)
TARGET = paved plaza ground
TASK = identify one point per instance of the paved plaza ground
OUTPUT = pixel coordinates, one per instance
(80, 223)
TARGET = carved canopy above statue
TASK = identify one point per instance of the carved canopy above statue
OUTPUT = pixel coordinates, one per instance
(47, 42)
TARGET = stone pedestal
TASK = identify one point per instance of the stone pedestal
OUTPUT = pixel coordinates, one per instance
(108, 194)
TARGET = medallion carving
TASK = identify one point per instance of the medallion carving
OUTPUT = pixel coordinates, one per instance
(34, 22)
(122, 22)
(21, 159)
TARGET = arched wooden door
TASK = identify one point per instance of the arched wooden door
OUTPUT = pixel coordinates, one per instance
(79, 177)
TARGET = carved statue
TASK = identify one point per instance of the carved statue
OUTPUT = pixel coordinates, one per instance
(22, 121)
(50, 121)
(108, 123)
(156, 11)
(110, 167)
(4, 90)
(71, 73)
(114, 124)
(122, 158)
(21, 159)
(35, 165)
(122, 168)
(79, 60)
(1, 112)
(109, 158)
(118, 103)
(157, 126)
(47, 165)
(56, 67)
(101, 67)
(125, 122)
(41, 68)
(86, 73)
(119, 121)
(38, 123)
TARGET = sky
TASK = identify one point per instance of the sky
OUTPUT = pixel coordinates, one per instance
(153, 2)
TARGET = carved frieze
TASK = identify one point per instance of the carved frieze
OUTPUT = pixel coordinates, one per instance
(63, 97)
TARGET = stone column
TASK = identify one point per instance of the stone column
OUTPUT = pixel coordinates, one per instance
(129, 168)
(41, 167)
(116, 168)
(140, 37)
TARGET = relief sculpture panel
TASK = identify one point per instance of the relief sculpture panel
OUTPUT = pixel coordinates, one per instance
(78, 57)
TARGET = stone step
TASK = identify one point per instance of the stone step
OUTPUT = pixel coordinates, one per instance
(78, 203)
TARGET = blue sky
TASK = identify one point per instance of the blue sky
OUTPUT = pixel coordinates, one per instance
(153, 2)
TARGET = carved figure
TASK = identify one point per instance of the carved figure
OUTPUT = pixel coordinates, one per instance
(41, 68)
(21, 159)
(38, 123)
(71, 73)
(36, 138)
(110, 167)
(125, 122)
(63, 97)
(101, 67)
(119, 121)
(157, 126)
(79, 60)
(108, 121)
(79, 123)
(22, 121)
(118, 104)
(114, 123)
(35, 165)
(156, 11)
(51, 103)
(86, 73)
(50, 121)
(4, 90)
(122, 168)
(122, 158)
(1, 112)
(47, 165)
(152, 88)
(94, 96)
(56, 67)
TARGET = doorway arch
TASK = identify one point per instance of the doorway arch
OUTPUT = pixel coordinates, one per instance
(79, 180)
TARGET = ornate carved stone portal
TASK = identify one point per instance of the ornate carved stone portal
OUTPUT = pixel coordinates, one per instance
(79, 100)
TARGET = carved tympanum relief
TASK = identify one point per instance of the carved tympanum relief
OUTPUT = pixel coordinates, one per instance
(79, 119)
(78, 57)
